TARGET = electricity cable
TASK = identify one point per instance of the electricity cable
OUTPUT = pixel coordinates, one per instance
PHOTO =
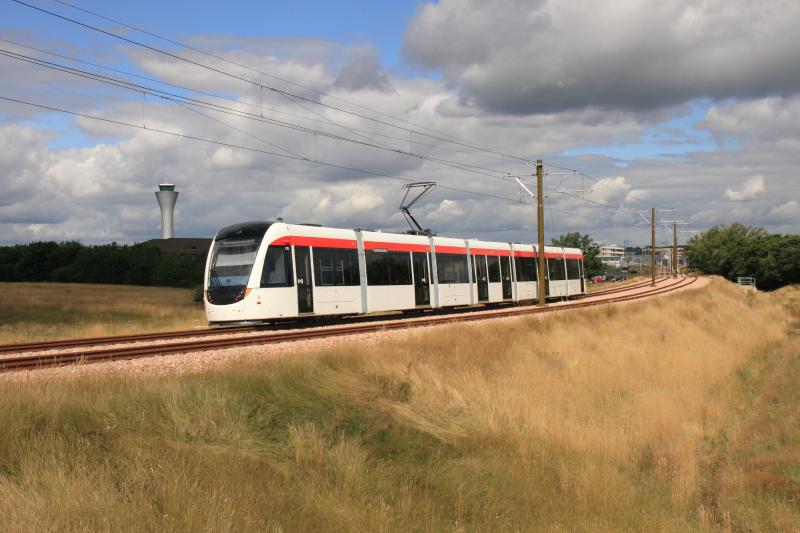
(253, 82)
(243, 114)
(247, 148)
(258, 71)
(238, 101)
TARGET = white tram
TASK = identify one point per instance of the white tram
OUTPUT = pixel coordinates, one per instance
(264, 271)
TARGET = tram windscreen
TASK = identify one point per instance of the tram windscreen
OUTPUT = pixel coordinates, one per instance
(231, 262)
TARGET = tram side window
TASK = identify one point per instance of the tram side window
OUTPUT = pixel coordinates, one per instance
(526, 268)
(452, 268)
(335, 267)
(494, 268)
(277, 271)
(388, 268)
(573, 270)
(556, 268)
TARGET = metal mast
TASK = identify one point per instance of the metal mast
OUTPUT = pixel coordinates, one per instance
(653, 246)
(540, 230)
(540, 269)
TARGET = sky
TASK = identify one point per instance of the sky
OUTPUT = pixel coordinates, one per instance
(320, 112)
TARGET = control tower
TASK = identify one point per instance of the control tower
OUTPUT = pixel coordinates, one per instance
(166, 196)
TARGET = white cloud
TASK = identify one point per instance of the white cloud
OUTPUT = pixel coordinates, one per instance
(336, 204)
(447, 212)
(788, 212)
(610, 190)
(523, 56)
(230, 158)
(749, 191)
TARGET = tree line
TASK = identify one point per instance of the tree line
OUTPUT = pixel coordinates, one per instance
(745, 251)
(73, 262)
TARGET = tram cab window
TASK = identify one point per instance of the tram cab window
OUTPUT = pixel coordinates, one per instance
(231, 262)
(494, 268)
(526, 268)
(452, 268)
(335, 267)
(388, 268)
(277, 271)
(556, 268)
(573, 269)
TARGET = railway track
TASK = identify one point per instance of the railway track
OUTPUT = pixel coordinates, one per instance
(118, 352)
(121, 339)
(621, 288)
(227, 330)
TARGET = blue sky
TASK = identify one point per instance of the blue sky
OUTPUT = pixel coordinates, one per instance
(351, 22)
(675, 137)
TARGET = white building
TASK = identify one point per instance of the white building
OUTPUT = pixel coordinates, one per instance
(611, 255)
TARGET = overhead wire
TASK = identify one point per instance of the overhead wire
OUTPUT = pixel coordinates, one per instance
(249, 81)
(287, 94)
(623, 194)
(247, 148)
(243, 132)
(259, 106)
(268, 74)
(166, 95)
(295, 158)
(301, 158)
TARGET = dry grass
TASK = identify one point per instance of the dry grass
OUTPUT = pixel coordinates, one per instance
(605, 419)
(755, 481)
(46, 311)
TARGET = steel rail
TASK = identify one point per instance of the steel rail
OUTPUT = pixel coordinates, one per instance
(120, 339)
(226, 330)
(32, 362)
(621, 288)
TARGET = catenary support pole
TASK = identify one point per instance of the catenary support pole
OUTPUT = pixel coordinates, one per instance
(674, 248)
(653, 246)
(540, 230)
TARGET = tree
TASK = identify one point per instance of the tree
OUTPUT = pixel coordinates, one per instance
(744, 251)
(593, 265)
(107, 263)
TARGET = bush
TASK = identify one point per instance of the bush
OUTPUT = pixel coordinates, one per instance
(113, 263)
(744, 251)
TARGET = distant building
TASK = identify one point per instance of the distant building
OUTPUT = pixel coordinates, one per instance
(666, 250)
(611, 255)
(167, 196)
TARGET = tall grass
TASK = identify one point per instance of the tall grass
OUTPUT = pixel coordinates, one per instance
(603, 419)
(46, 311)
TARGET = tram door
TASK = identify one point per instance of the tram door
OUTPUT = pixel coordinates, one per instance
(422, 278)
(505, 264)
(481, 277)
(305, 290)
(547, 278)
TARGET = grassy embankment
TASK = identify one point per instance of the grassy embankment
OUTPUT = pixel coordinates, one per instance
(47, 311)
(677, 414)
